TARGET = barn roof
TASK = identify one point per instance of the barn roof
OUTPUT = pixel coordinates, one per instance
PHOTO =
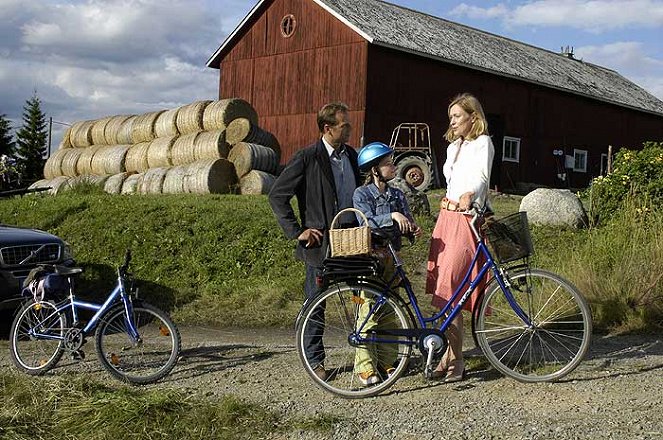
(407, 30)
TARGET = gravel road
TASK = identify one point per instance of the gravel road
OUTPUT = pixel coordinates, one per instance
(615, 394)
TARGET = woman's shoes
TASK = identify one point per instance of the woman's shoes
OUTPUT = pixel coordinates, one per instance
(455, 372)
(452, 372)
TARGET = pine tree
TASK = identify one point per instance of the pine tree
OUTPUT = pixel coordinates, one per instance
(31, 141)
(6, 139)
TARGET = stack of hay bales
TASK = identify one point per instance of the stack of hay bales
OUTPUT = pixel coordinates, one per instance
(182, 150)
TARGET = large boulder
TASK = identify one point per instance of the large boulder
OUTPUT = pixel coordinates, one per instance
(416, 200)
(554, 207)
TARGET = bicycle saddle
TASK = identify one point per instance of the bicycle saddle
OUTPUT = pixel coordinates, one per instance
(67, 271)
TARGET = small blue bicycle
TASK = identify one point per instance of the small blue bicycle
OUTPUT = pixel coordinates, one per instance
(532, 325)
(135, 341)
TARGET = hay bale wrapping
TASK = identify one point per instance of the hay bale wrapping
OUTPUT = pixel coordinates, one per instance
(113, 184)
(190, 117)
(81, 134)
(131, 183)
(152, 182)
(247, 157)
(69, 163)
(210, 177)
(99, 131)
(124, 134)
(112, 129)
(110, 159)
(173, 182)
(84, 164)
(53, 165)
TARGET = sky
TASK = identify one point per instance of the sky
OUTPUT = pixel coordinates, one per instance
(88, 59)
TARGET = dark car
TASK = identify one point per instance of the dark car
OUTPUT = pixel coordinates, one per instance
(22, 249)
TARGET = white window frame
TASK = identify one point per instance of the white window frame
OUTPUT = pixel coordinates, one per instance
(510, 139)
(576, 154)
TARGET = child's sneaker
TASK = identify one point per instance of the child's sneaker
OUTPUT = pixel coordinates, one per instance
(368, 378)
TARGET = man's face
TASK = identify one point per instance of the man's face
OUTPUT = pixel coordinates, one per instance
(339, 133)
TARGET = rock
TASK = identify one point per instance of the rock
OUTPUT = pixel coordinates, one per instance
(554, 207)
(416, 200)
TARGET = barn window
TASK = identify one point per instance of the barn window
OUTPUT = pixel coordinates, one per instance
(580, 160)
(288, 25)
(511, 149)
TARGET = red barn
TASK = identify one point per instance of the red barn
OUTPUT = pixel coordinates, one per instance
(392, 64)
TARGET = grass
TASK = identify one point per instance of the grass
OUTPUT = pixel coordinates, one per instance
(222, 259)
(79, 408)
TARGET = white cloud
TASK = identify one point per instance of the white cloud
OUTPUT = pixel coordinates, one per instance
(592, 15)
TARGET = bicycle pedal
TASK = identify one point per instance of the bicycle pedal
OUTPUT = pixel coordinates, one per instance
(78, 355)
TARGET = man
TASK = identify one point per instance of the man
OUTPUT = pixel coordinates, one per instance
(323, 177)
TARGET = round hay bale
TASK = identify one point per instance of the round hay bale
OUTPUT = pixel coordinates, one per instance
(65, 142)
(142, 129)
(84, 164)
(173, 183)
(166, 124)
(69, 163)
(53, 165)
(219, 114)
(256, 182)
(211, 145)
(247, 157)
(152, 182)
(190, 117)
(238, 130)
(58, 184)
(114, 183)
(210, 177)
(110, 159)
(113, 129)
(43, 183)
(136, 158)
(99, 131)
(124, 134)
(87, 179)
(183, 149)
(131, 183)
(158, 153)
(81, 134)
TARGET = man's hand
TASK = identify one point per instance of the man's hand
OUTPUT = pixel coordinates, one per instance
(312, 237)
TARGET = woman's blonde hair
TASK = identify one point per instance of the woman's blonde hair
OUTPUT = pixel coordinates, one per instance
(473, 107)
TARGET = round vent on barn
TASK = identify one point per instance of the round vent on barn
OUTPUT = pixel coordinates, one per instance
(288, 25)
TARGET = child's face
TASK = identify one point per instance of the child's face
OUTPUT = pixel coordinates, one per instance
(387, 167)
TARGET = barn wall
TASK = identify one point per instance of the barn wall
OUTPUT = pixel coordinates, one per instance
(407, 88)
(287, 80)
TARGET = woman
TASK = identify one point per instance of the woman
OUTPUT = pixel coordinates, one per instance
(467, 172)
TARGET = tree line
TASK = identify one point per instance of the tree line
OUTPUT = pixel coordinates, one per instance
(22, 154)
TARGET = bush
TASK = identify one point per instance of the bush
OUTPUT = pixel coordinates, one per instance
(639, 173)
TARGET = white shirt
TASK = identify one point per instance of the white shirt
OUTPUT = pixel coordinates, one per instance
(468, 170)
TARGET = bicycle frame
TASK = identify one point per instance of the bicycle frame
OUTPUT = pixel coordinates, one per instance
(448, 310)
(73, 304)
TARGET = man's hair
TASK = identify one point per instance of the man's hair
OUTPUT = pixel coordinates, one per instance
(327, 114)
(473, 107)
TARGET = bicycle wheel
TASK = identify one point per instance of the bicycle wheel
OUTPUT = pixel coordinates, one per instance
(37, 337)
(146, 360)
(557, 340)
(330, 319)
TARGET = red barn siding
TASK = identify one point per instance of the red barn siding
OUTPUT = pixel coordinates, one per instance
(287, 80)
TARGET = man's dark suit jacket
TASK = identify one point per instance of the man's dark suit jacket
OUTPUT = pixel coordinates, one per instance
(308, 177)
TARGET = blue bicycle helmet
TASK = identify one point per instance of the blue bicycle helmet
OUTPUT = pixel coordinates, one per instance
(371, 154)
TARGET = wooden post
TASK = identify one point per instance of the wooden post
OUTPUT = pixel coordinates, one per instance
(609, 159)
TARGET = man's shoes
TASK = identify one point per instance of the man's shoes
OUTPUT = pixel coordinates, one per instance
(321, 372)
(368, 378)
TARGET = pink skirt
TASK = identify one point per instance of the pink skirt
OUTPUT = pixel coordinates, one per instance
(451, 251)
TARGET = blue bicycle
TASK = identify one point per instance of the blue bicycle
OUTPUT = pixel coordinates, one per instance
(532, 325)
(135, 341)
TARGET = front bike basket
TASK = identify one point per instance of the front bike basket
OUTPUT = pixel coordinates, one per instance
(509, 237)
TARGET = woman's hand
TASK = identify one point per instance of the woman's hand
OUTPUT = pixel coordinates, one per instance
(404, 224)
(465, 202)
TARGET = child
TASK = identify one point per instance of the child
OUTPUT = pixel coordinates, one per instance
(384, 207)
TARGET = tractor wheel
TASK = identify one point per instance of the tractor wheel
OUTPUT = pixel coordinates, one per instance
(416, 171)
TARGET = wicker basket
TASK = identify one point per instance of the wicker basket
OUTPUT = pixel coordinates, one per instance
(509, 237)
(349, 241)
